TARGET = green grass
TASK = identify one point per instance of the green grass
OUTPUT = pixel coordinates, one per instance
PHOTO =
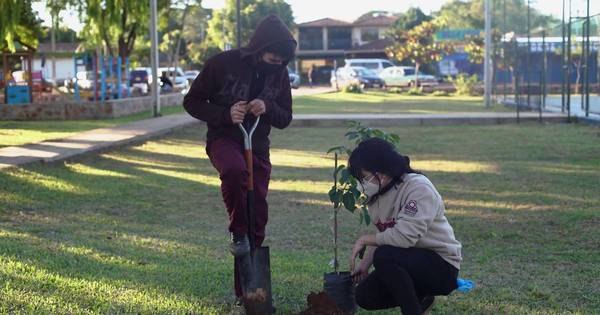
(23, 132)
(381, 102)
(143, 229)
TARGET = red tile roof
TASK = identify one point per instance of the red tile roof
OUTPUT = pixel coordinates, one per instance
(326, 22)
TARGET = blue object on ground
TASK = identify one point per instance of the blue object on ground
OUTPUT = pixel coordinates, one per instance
(464, 285)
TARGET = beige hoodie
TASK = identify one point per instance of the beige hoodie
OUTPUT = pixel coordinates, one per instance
(412, 215)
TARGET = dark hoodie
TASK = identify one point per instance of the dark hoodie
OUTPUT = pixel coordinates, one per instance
(231, 76)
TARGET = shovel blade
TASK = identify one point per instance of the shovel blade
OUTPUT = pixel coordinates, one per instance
(255, 274)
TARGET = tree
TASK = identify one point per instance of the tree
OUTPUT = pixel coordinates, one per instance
(176, 18)
(18, 23)
(116, 24)
(411, 18)
(418, 45)
(469, 14)
(222, 27)
(198, 48)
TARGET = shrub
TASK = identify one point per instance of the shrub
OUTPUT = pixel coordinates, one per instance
(440, 93)
(465, 84)
(415, 91)
(395, 90)
(353, 88)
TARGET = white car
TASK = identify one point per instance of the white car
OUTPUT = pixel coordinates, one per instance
(191, 75)
(376, 65)
(405, 76)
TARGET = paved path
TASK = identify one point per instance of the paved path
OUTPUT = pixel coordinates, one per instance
(105, 138)
(305, 90)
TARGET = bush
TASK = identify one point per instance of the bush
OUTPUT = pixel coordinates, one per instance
(353, 88)
(465, 84)
(395, 90)
(415, 91)
(440, 93)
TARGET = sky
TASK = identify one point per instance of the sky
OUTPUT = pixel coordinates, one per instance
(306, 10)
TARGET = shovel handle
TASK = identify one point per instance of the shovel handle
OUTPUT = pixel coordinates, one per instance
(250, 195)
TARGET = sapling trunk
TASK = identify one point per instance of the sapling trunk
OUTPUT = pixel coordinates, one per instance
(335, 211)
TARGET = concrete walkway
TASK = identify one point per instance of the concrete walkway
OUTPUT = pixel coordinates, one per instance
(107, 138)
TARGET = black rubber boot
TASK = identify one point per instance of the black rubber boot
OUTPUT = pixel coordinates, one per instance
(239, 245)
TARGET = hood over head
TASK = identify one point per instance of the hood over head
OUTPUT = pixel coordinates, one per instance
(271, 35)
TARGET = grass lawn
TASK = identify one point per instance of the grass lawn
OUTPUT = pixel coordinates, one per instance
(381, 102)
(23, 132)
(142, 229)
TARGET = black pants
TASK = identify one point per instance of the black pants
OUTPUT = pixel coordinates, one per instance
(403, 277)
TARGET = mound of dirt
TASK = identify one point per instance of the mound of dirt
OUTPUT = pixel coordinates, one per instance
(321, 304)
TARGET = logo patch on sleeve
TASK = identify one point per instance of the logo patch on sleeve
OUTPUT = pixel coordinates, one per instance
(411, 208)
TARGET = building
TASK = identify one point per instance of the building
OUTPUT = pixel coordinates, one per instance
(63, 57)
(325, 43)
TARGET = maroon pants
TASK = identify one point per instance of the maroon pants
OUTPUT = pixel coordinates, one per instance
(227, 156)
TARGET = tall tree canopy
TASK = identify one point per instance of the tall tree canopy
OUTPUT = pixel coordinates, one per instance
(18, 23)
(411, 18)
(116, 24)
(222, 26)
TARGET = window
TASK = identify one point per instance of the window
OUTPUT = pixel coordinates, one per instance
(368, 65)
(368, 34)
(311, 38)
(387, 64)
(339, 38)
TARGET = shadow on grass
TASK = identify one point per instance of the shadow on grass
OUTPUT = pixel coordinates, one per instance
(150, 219)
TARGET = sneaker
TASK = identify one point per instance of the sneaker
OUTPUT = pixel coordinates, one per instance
(239, 245)
(427, 304)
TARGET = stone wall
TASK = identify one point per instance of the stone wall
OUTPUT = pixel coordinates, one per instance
(85, 110)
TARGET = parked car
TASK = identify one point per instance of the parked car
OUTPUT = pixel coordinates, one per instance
(322, 74)
(294, 79)
(405, 76)
(376, 65)
(191, 75)
(181, 82)
(359, 75)
(140, 79)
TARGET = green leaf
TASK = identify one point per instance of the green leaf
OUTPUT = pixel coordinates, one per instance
(335, 196)
(349, 201)
(378, 133)
(345, 175)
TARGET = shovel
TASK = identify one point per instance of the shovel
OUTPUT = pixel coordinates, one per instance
(255, 268)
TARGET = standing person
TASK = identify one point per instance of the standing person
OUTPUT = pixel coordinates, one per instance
(235, 87)
(311, 74)
(415, 253)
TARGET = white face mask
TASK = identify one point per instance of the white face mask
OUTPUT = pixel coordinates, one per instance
(368, 188)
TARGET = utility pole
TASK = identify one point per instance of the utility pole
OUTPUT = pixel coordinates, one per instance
(53, 44)
(563, 51)
(528, 59)
(487, 78)
(239, 25)
(154, 59)
(587, 61)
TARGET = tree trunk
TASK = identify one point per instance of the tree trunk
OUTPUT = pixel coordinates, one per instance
(174, 60)
(417, 65)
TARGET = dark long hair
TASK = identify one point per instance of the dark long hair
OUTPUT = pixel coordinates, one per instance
(376, 155)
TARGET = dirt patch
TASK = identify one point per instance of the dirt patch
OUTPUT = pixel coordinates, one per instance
(321, 304)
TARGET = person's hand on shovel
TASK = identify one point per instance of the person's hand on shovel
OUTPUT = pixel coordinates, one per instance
(257, 107)
(238, 111)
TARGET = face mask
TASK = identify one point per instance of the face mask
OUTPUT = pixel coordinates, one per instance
(266, 68)
(368, 188)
